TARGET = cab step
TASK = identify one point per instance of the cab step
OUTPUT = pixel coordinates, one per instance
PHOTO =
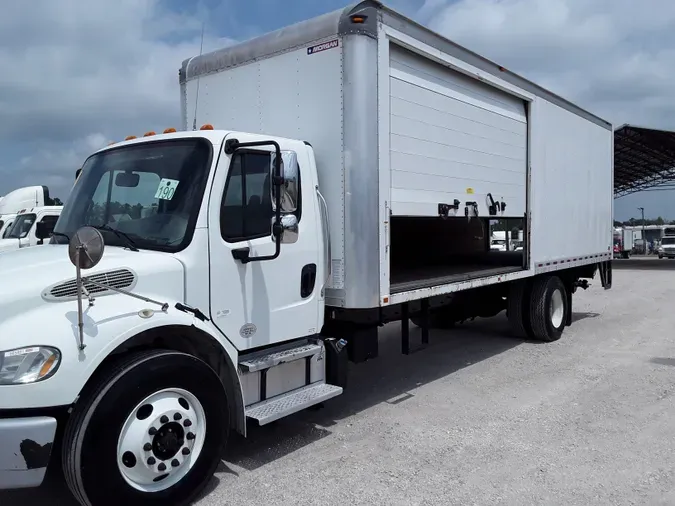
(267, 361)
(291, 402)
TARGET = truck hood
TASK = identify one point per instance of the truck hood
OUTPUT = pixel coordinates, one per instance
(9, 245)
(33, 277)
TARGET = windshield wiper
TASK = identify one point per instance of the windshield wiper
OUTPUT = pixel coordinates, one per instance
(125, 237)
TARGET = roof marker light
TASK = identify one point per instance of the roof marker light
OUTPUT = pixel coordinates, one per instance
(207, 126)
(170, 131)
(129, 137)
(149, 134)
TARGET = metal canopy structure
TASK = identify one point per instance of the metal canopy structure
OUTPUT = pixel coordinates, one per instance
(644, 158)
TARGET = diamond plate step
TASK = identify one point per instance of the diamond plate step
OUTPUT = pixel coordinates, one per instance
(286, 404)
(266, 361)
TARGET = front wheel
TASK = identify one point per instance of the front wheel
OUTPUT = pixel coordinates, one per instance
(152, 431)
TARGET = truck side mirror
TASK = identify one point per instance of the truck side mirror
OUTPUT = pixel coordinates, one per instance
(290, 186)
(43, 230)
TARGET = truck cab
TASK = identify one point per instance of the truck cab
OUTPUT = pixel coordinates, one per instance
(220, 240)
(30, 227)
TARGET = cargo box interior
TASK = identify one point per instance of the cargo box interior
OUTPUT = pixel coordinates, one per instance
(432, 251)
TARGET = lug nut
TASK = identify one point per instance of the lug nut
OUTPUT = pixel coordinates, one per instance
(177, 416)
(186, 451)
(187, 423)
(147, 447)
(190, 436)
(175, 463)
(161, 467)
(164, 419)
(152, 461)
(152, 431)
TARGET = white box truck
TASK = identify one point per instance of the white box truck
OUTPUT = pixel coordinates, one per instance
(19, 200)
(358, 161)
(623, 242)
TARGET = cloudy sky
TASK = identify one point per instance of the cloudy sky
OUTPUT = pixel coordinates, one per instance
(79, 73)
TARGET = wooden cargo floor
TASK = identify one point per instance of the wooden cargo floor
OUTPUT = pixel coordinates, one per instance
(425, 277)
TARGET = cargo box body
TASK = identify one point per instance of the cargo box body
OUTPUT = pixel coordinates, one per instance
(407, 126)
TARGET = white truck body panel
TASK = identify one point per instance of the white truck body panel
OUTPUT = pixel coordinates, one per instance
(279, 96)
(571, 188)
(401, 120)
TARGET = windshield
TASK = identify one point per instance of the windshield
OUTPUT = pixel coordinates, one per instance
(21, 226)
(668, 240)
(5, 234)
(151, 192)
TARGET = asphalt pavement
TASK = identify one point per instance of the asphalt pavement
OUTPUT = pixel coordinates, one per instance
(481, 418)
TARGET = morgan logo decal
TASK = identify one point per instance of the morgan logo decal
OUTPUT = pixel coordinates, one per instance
(323, 47)
(247, 331)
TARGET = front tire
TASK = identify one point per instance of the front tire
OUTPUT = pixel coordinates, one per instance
(151, 431)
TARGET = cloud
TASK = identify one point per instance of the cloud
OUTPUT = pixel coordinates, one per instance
(72, 68)
(75, 70)
(611, 56)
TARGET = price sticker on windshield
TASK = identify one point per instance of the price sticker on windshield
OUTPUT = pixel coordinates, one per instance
(166, 189)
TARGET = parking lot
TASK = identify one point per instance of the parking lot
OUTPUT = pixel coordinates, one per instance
(482, 418)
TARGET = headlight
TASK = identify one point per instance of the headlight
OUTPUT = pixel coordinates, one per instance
(28, 365)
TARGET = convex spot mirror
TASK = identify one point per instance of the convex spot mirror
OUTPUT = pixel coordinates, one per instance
(290, 185)
(85, 248)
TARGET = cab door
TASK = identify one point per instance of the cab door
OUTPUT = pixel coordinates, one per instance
(256, 303)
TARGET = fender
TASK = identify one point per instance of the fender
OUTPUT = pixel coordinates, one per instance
(108, 325)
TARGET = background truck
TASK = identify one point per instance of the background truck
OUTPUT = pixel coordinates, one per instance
(359, 162)
(18, 200)
(623, 242)
(30, 227)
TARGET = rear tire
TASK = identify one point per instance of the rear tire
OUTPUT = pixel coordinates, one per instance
(548, 308)
(170, 401)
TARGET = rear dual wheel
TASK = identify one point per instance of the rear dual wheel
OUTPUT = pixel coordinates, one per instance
(538, 308)
(151, 431)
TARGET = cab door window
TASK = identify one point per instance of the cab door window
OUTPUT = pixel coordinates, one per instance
(246, 209)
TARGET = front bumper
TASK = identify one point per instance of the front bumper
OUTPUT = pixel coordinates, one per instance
(25, 449)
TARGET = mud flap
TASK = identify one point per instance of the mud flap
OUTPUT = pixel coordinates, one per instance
(605, 269)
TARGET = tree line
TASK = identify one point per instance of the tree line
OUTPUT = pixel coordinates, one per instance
(636, 222)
